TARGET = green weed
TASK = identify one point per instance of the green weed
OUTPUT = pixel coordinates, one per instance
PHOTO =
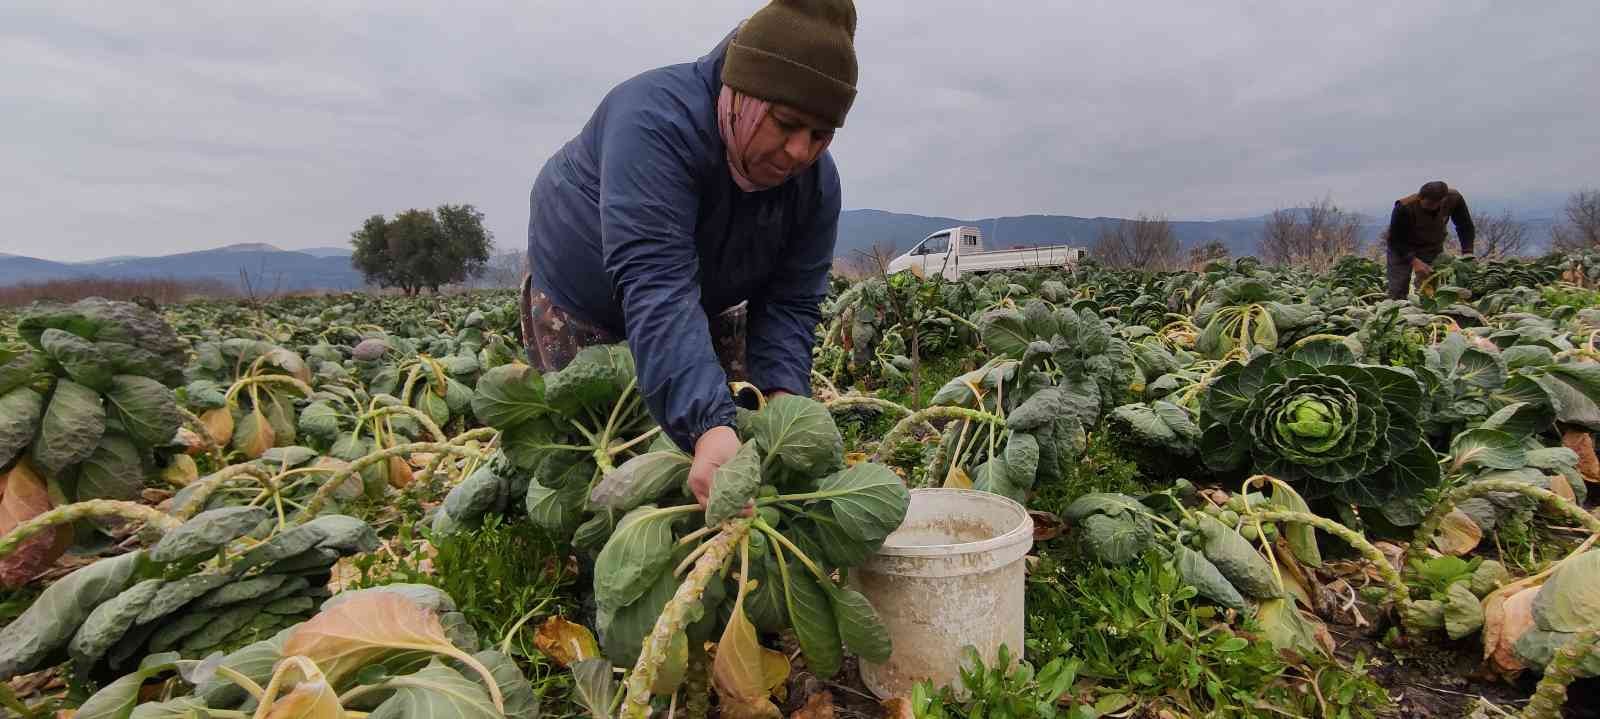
(1103, 468)
(1144, 638)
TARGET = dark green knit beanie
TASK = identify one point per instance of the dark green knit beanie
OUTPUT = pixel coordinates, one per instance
(800, 53)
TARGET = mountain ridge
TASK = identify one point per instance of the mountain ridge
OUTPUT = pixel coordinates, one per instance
(316, 268)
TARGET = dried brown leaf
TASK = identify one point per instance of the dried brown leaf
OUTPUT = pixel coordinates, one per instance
(1505, 619)
(897, 708)
(1392, 552)
(399, 473)
(1581, 441)
(1046, 525)
(22, 497)
(818, 706)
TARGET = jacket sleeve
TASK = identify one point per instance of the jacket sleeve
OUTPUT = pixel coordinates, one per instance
(648, 211)
(1465, 230)
(783, 324)
(1399, 239)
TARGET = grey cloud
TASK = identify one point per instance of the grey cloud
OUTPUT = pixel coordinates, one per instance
(144, 128)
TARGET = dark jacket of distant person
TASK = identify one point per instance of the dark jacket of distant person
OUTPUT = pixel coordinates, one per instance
(1417, 232)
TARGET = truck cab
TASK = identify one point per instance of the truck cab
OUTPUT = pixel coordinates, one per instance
(954, 251)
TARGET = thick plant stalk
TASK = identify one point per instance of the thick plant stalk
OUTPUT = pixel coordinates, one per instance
(283, 379)
(412, 412)
(471, 435)
(904, 426)
(209, 484)
(1551, 693)
(851, 401)
(958, 318)
(1562, 505)
(943, 454)
(91, 509)
(1397, 588)
(675, 615)
(314, 505)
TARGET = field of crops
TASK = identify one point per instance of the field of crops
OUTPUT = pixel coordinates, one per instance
(1256, 492)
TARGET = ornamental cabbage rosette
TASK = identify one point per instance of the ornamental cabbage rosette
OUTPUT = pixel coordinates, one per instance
(1346, 431)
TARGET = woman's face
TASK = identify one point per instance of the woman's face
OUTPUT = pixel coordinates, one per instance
(786, 142)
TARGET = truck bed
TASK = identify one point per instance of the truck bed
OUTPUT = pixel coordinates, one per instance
(1053, 255)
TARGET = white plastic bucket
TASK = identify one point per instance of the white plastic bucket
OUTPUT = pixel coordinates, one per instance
(950, 576)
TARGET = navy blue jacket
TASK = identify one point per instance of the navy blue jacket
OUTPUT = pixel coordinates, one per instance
(637, 226)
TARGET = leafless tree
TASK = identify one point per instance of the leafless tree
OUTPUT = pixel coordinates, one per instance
(1581, 230)
(1314, 237)
(1146, 242)
(860, 264)
(1500, 236)
(1202, 255)
(504, 270)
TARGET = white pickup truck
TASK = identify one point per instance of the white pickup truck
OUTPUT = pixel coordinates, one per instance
(955, 251)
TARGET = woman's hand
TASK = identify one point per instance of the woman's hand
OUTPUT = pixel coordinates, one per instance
(712, 450)
(1422, 269)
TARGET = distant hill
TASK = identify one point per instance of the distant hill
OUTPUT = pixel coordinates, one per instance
(268, 268)
(859, 229)
(326, 251)
(312, 268)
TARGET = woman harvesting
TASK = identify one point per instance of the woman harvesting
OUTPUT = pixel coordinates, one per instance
(694, 217)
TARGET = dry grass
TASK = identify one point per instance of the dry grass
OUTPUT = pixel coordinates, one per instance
(162, 291)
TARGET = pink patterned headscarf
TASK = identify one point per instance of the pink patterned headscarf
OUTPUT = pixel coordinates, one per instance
(738, 117)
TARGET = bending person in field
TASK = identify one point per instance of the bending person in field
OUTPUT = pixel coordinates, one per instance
(1417, 233)
(694, 217)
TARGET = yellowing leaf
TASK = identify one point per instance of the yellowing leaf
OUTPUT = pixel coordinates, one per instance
(1290, 629)
(745, 673)
(312, 697)
(308, 700)
(564, 642)
(1295, 581)
(219, 425)
(957, 479)
(371, 627)
(852, 459)
(254, 435)
(1560, 487)
(181, 471)
(1458, 534)
(22, 497)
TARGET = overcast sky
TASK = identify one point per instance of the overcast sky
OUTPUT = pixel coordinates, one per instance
(143, 127)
